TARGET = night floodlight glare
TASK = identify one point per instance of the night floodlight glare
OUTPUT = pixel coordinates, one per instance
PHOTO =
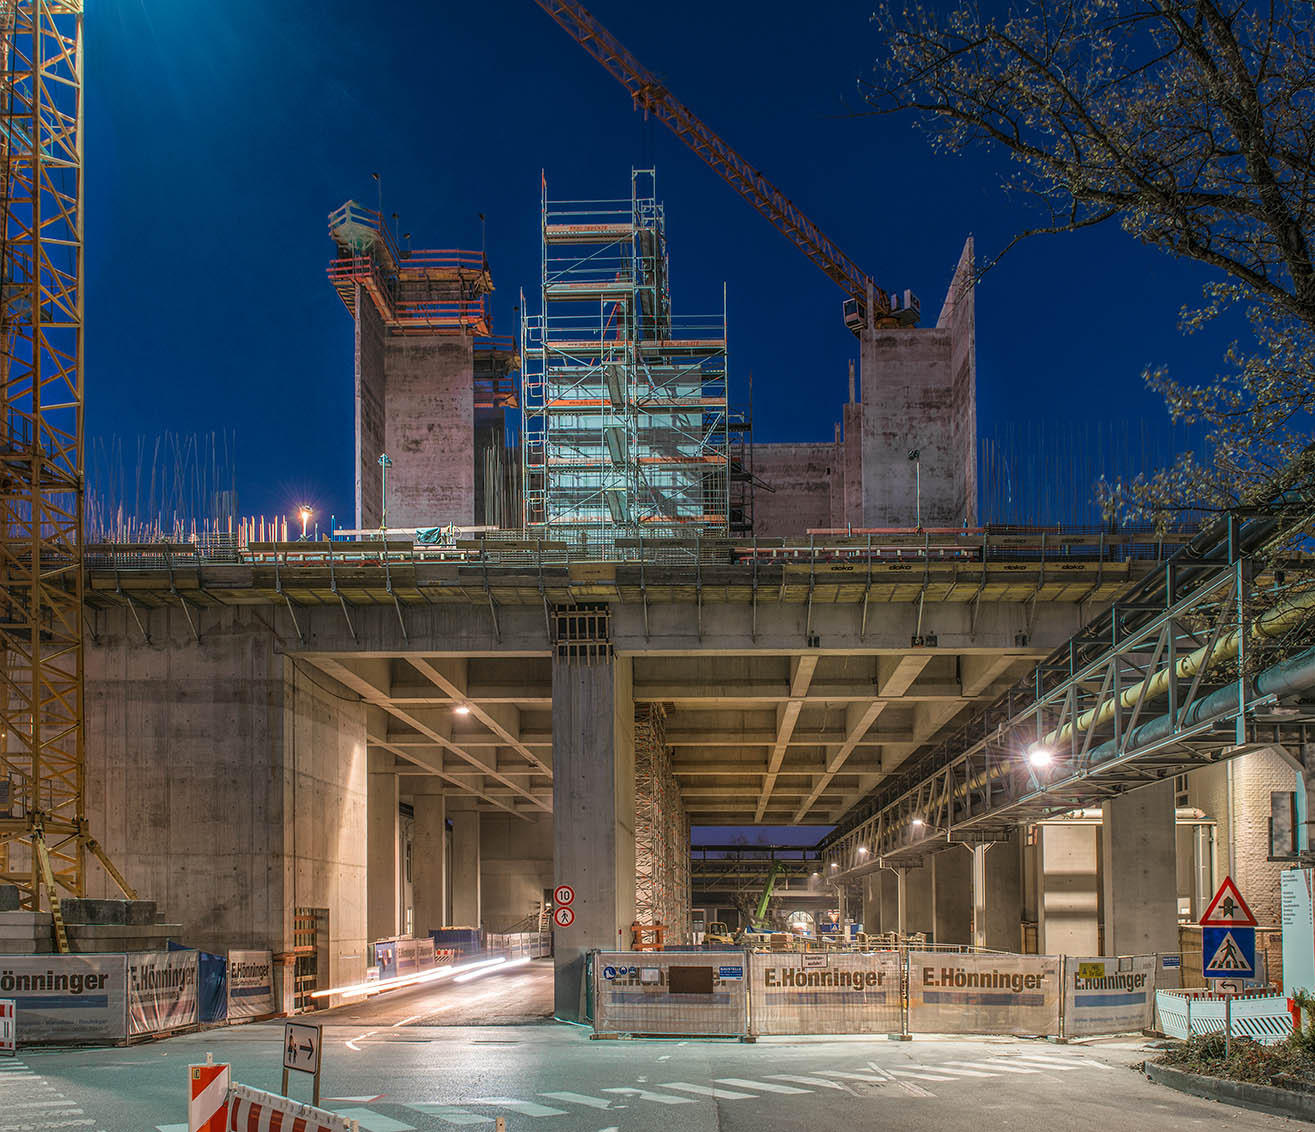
(862, 849)
(918, 822)
(1040, 756)
(462, 709)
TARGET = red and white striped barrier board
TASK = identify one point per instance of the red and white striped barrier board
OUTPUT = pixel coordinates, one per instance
(250, 1110)
(8, 1027)
(207, 1098)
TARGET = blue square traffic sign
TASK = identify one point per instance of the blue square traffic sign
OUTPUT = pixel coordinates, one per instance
(1228, 953)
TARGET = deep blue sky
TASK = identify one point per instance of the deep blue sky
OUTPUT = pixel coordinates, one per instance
(221, 132)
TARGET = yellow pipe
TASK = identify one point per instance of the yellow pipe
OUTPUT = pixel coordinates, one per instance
(1276, 621)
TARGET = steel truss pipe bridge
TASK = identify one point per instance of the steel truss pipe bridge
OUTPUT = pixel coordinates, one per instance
(1207, 658)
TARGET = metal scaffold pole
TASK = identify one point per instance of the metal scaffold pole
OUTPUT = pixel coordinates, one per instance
(44, 839)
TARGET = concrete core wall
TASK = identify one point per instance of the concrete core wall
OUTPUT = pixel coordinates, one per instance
(415, 400)
(800, 476)
(225, 784)
(516, 865)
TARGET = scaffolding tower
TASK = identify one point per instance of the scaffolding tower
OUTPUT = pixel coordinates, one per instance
(662, 844)
(625, 430)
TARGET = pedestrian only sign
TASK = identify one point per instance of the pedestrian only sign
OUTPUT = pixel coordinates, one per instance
(1228, 909)
(1228, 936)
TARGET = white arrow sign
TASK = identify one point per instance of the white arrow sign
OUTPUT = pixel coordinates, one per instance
(301, 1047)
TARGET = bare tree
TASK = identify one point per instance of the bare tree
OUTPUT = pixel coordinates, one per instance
(1191, 124)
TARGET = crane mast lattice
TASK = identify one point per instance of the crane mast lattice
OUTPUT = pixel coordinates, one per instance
(44, 839)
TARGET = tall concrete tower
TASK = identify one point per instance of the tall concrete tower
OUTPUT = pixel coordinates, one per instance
(431, 380)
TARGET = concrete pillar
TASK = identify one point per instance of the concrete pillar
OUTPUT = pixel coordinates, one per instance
(997, 896)
(1140, 848)
(428, 866)
(593, 729)
(871, 915)
(465, 868)
(1069, 890)
(383, 850)
(888, 900)
(952, 895)
(914, 900)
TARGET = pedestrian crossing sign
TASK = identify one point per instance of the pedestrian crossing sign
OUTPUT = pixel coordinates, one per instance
(1228, 953)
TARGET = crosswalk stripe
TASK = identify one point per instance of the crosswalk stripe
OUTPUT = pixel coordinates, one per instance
(645, 1095)
(960, 1072)
(921, 1076)
(450, 1114)
(579, 1098)
(1044, 1064)
(44, 1125)
(995, 1065)
(44, 1104)
(850, 1076)
(372, 1121)
(800, 1079)
(764, 1086)
(706, 1091)
(525, 1108)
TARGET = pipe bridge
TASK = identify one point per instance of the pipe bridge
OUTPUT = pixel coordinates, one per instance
(1204, 660)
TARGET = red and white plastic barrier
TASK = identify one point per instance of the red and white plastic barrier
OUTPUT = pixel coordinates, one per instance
(250, 1110)
(207, 1097)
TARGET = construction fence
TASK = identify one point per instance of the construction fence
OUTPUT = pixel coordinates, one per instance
(1264, 1017)
(744, 994)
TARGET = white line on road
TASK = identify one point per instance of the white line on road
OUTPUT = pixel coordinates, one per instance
(579, 1098)
(44, 1104)
(450, 1114)
(1043, 1064)
(44, 1125)
(372, 1121)
(914, 1090)
(525, 1108)
(800, 1079)
(645, 1095)
(922, 1076)
(999, 1066)
(853, 1076)
(404, 1021)
(763, 1085)
(707, 1091)
(956, 1069)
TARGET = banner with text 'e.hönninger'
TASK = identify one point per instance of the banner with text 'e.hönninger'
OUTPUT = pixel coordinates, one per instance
(825, 993)
(66, 998)
(951, 993)
(162, 991)
(1112, 994)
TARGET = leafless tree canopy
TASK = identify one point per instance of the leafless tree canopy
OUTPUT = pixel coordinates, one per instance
(1191, 123)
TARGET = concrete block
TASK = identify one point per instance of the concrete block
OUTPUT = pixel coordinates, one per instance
(140, 912)
(8, 898)
(93, 911)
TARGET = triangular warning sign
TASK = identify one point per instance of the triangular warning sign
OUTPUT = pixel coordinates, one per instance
(1228, 957)
(1228, 909)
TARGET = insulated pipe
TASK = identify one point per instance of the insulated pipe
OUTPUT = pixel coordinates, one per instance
(1276, 621)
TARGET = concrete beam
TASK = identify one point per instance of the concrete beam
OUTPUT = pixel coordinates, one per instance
(858, 719)
(801, 675)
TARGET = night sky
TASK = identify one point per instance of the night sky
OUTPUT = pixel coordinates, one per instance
(220, 133)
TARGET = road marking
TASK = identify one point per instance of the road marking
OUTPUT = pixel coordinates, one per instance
(404, 1021)
(451, 1114)
(44, 1104)
(171, 1128)
(336, 1100)
(914, 1090)
(995, 1065)
(645, 1095)
(373, 1121)
(1042, 1063)
(579, 1098)
(762, 1085)
(706, 1091)
(525, 1108)
(922, 1076)
(800, 1079)
(852, 1076)
(956, 1069)
(46, 1124)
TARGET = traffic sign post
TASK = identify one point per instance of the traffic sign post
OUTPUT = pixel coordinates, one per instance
(563, 917)
(563, 894)
(301, 1051)
(1228, 939)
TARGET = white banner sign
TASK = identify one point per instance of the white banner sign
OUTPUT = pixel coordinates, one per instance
(820, 993)
(161, 991)
(250, 984)
(1108, 995)
(65, 998)
(670, 992)
(950, 993)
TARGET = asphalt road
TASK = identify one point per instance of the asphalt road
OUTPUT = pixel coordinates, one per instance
(395, 1072)
(523, 995)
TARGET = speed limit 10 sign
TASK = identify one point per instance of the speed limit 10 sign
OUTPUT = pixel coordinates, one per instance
(563, 894)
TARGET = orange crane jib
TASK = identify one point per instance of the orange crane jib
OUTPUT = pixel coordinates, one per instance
(648, 93)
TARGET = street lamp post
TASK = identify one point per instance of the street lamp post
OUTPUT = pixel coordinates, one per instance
(305, 512)
(384, 464)
(915, 455)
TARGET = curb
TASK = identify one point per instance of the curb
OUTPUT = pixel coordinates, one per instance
(1266, 1098)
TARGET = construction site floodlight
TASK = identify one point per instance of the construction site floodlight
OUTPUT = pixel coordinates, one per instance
(1039, 756)
(462, 709)
(834, 865)
(918, 823)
